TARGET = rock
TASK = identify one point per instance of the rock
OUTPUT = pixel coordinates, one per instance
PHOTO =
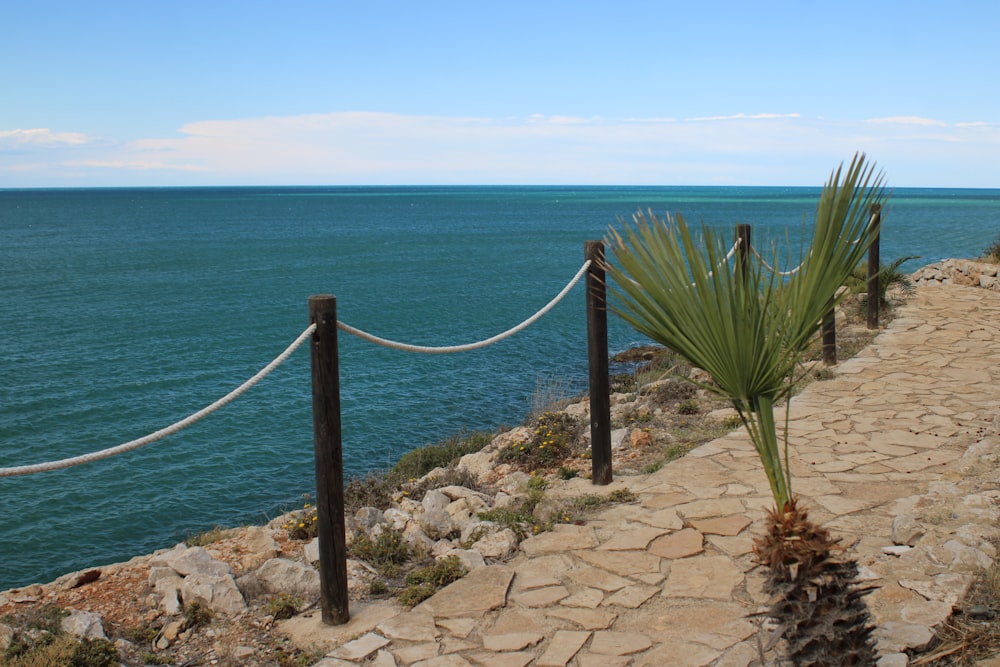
(280, 575)
(906, 530)
(436, 522)
(965, 558)
(618, 437)
(168, 587)
(6, 636)
(894, 637)
(361, 648)
(896, 550)
(478, 464)
(76, 579)
(473, 595)
(310, 552)
(473, 531)
(195, 560)
(260, 547)
(640, 438)
(460, 513)
(498, 546)
(395, 518)
(367, 517)
(416, 538)
(83, 624)
(469, 558)
(172, 630)
(220, 594)
(435, 500)
(514, 483)
(475, 499)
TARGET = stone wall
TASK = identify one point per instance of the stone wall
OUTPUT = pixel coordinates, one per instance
(959, 272)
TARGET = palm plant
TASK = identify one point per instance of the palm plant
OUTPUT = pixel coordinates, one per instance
(890, 276)
(747, 327)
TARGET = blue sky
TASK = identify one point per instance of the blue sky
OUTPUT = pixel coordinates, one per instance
(382, 92)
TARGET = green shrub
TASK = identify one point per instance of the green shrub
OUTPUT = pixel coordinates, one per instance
(283, 606)
(385, 553)
(411, 596)
(94, 653)
(567, 473)
(416, 463)
(688, 407)
(303, 525)
(373, 490)
(440, 573)
(521, 523)
(551, 442)
(196, 614)
(992, 253)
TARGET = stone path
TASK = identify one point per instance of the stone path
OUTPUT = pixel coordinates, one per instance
(896, 454)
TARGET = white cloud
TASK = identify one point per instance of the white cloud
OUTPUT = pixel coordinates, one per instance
(743, 116)
(908, 120)
(386, 148)
(20, 138)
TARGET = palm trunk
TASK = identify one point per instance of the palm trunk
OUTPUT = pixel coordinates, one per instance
(816, 600)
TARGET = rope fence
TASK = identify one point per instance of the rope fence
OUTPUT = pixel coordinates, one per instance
(16, 471)
(783, 274)
(169, 430)
(469, 346)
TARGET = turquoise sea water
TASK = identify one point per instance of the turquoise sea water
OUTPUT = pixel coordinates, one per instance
(124, 310)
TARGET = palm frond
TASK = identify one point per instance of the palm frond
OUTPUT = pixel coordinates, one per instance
(742, 324)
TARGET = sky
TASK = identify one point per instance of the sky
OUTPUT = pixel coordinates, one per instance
(109, 93)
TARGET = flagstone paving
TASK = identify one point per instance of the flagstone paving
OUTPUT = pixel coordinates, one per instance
(896, 454)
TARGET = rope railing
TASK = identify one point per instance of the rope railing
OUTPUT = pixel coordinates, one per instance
(469, 346)
(729, 256)
(164, 432)
(264, 372)
(785, 274)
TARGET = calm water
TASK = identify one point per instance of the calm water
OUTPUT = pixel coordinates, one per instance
(125, 310)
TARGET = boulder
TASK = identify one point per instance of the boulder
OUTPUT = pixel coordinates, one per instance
(260, 547)
(83, 624)
(367, 517)
(218, 593)
(499, 545)
(435, 500)
(195, 560)
(435, 523)
(280, 575)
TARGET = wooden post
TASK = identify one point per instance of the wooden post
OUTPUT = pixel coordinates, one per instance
(874, 267)
(830, 338)
(743, 237)
(597, 348)
(328, 447)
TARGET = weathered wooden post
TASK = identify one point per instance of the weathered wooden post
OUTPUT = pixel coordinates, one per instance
(328, 447)
(874, 268)
(743, 238)
(597, 348)
(830, 338)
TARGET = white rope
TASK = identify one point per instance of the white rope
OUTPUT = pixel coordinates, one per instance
(470, 346)
(729, 256)
(170, 430)
(770, 268)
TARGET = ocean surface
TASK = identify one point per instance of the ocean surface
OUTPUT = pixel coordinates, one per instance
(124, 310)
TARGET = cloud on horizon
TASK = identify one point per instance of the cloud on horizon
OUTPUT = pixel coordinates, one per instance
(20, 138)
(386, 148)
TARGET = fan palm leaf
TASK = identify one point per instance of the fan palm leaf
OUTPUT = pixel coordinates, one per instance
(739, 321)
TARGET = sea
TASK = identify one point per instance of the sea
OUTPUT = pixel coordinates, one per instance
(125, 310)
